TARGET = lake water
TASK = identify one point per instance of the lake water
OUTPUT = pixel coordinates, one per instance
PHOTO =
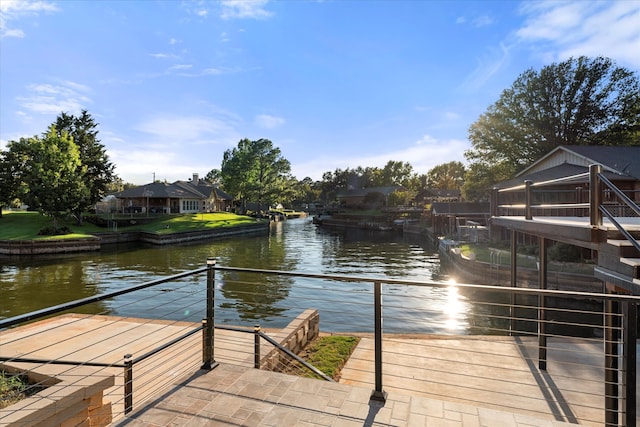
(28, 284)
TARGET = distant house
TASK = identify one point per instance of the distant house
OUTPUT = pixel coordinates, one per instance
(371, 196)
(195, 195)
(431, 195)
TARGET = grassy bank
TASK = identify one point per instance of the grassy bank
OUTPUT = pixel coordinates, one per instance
(21, 225)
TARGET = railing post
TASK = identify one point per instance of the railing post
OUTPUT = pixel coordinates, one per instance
(612, 326)
(256, 346)
(514, 277)
(208, 356)
(128, 383)
(378, 394)
(542, 333)
(527, 199)
(495, 201)
(630, 311)
(595, 196)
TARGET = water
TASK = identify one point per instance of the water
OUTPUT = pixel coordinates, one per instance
(28, 284)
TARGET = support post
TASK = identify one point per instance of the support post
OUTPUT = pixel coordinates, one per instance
(542, 318)
(527, 199)
(378, 394)
(256, 346)
(611, 356)
(595, 196)
(630, 312)
(128, 383)
(514, 276)
(208, 356)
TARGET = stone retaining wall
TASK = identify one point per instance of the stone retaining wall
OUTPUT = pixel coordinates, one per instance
(297, 334)
(37, 247)
(74, 397)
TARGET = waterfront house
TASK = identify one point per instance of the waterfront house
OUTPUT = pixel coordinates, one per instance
(620, 164)
(192, 196)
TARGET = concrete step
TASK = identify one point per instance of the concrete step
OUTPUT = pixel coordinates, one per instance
(622, 248)
(627, 266)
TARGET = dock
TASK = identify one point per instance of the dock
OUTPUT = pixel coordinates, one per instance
(453, 381)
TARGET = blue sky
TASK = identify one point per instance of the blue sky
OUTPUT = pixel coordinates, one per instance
(333, 84)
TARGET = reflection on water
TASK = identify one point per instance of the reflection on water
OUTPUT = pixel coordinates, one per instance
(296, 245)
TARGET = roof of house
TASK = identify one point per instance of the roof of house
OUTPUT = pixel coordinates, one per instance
(561, 171)
(176, 190)
(622, 160)
(457, 208)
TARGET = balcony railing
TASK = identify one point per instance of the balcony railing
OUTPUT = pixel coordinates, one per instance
(600, 199)
(535, 352)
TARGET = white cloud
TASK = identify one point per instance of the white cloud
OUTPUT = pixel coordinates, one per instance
(489, 65)
(14, 10)
(66, 96)
(167, 130)
(244, 9)
(267, 121)
(560, 30)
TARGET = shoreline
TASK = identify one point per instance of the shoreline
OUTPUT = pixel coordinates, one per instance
(95, 243)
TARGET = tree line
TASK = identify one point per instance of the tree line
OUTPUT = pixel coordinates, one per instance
(580, 101)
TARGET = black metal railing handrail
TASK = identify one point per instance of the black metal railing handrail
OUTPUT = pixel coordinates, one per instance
(443, 284)
(45, 312)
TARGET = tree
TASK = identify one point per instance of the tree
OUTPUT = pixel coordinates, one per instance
(580, 101)
(255, 171)
(48, 173)
(446, 176)
(98, 172)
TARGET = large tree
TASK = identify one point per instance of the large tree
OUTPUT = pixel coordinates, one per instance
(581, 101)
(47, 173)
(255, 171)
(446, 176)
(98, 172)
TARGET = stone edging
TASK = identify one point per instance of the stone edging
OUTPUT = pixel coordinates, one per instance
(89, 244)
(74, 396)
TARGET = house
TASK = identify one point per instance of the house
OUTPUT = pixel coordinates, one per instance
(192, 196)
(620, 164)
(371, 196)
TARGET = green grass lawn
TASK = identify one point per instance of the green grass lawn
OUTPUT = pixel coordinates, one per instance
(328, 354)
(21, 225)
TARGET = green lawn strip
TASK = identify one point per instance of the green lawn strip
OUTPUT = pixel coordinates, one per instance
(21, 225)
(328, 354)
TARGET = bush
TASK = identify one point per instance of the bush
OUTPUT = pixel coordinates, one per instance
(53, 231)
(565, 252)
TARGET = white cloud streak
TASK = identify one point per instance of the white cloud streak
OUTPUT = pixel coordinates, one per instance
(560, 30)
(14, 10)
(245, 9)
(51, 99)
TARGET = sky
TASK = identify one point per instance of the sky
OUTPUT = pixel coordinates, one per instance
(334, 84)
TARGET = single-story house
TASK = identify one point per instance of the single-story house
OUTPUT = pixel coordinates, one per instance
(192, 196)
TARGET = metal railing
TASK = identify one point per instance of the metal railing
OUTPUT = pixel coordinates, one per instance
(596, 206)
(529, 351)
